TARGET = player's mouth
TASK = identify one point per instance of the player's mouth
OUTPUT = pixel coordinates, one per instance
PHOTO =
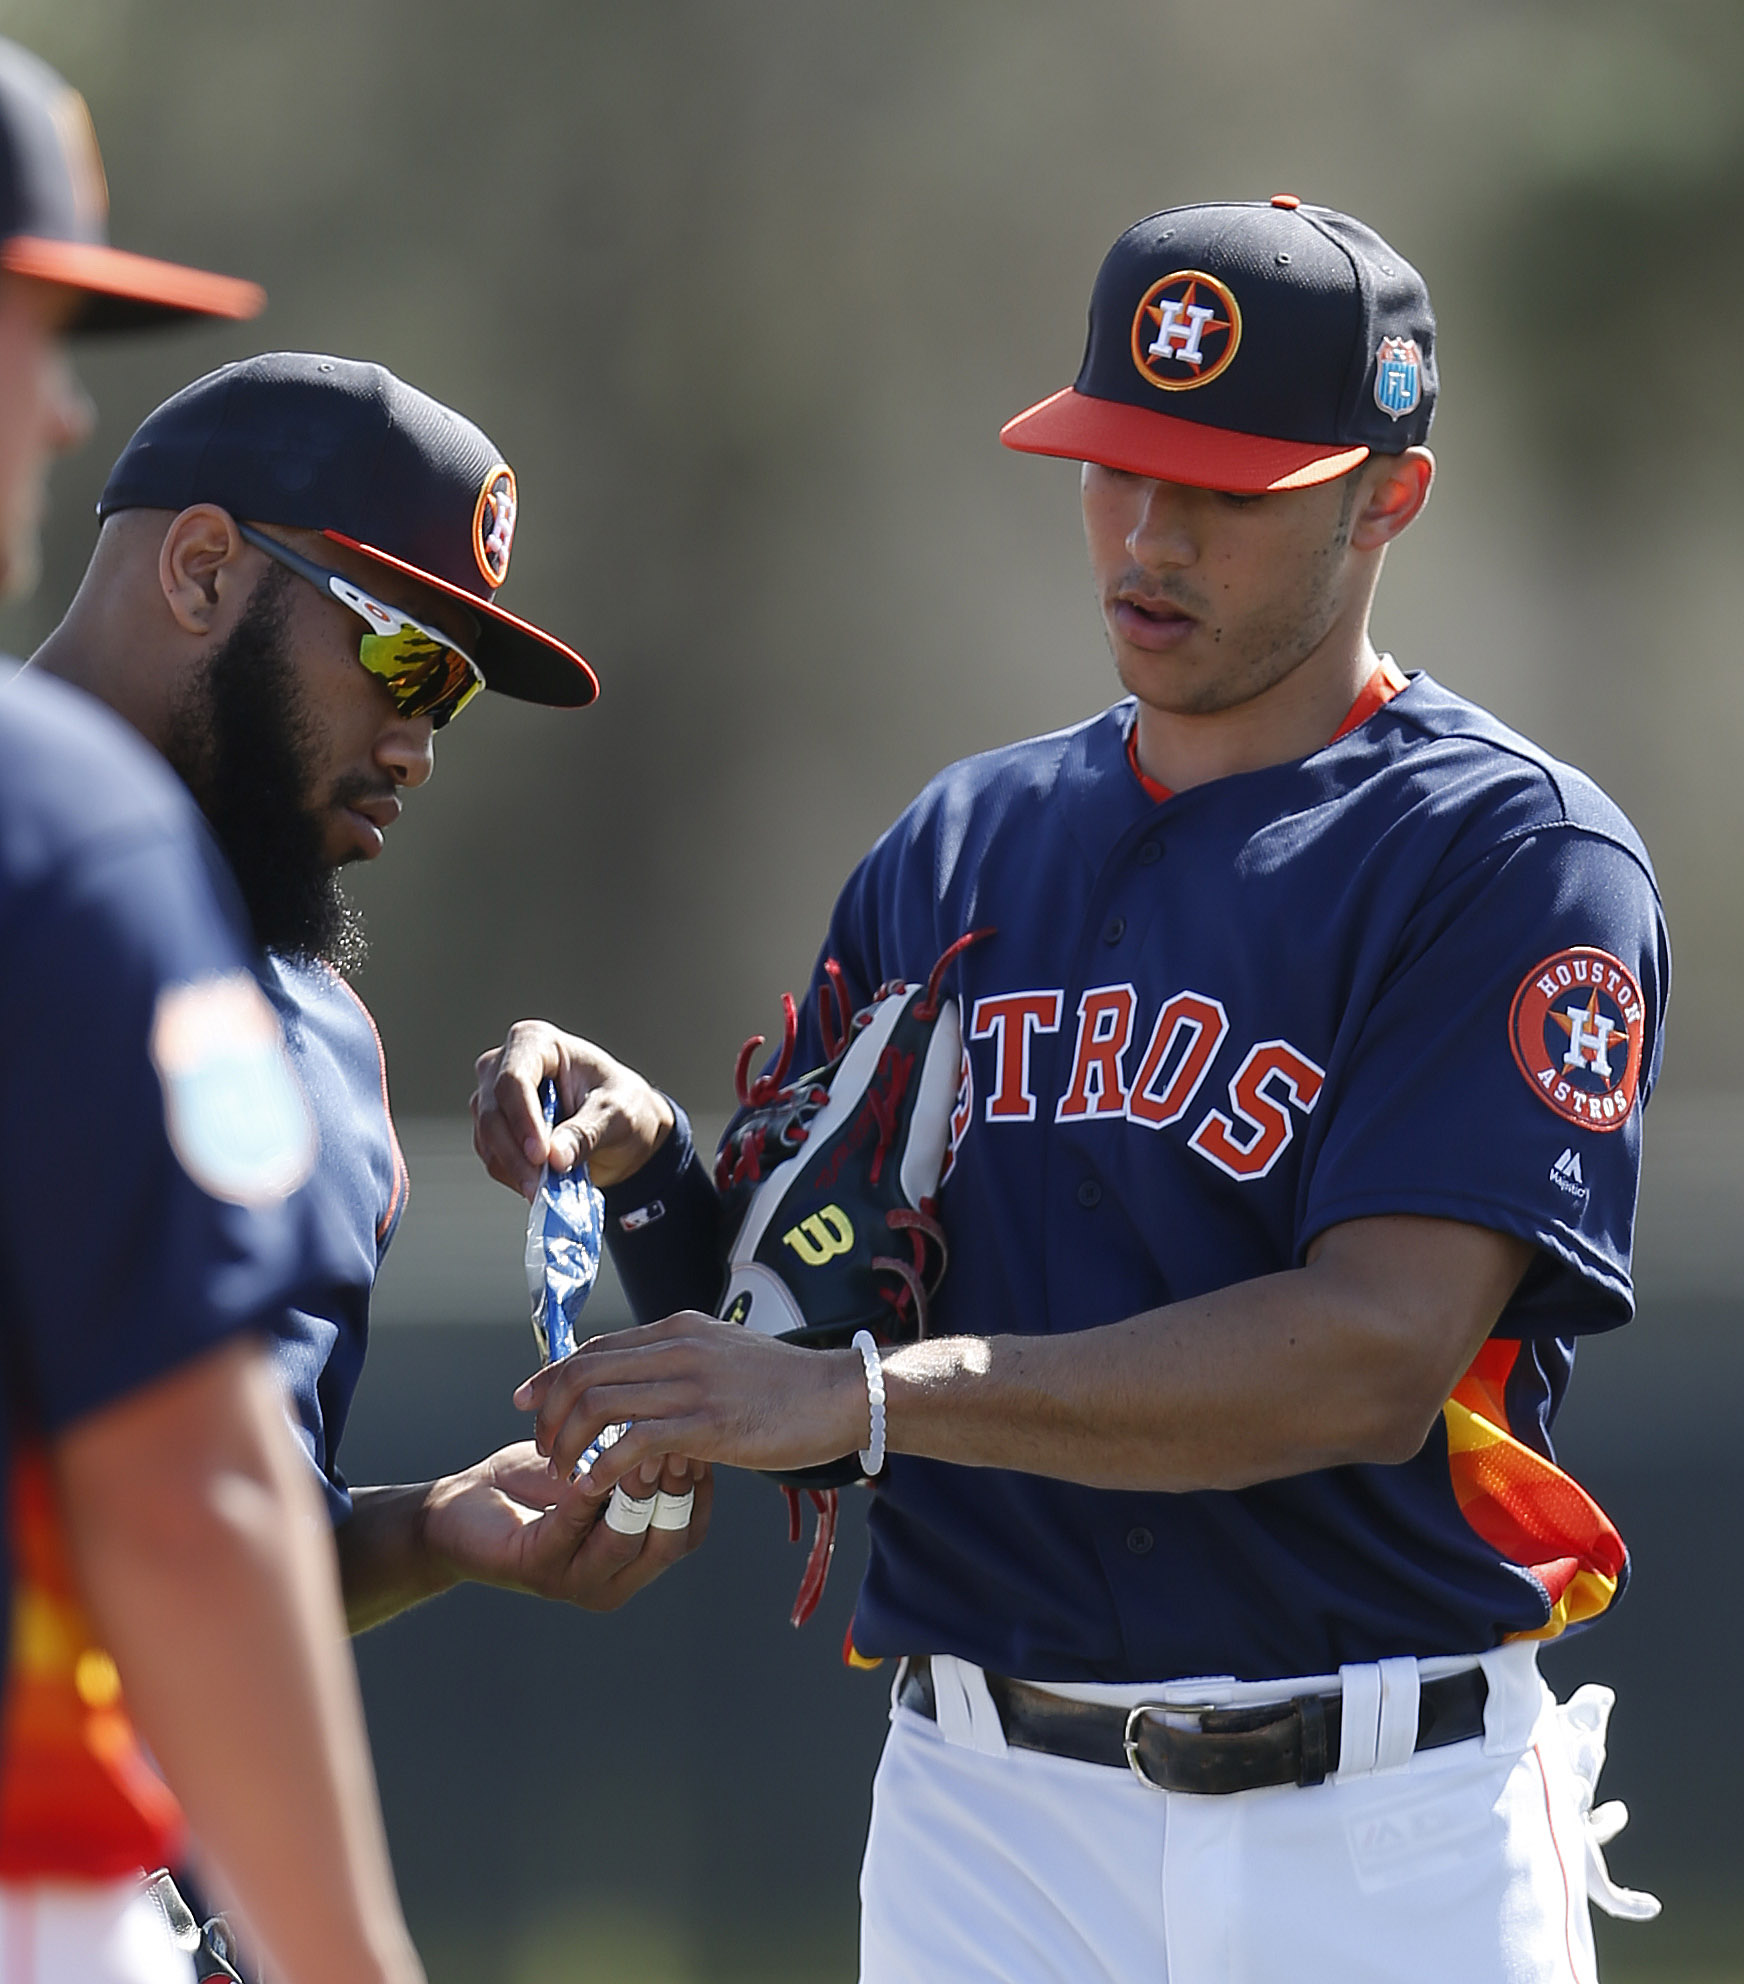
(367, 822)
(1145, 620)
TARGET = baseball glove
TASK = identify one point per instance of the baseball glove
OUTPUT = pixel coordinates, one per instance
(833, 1180)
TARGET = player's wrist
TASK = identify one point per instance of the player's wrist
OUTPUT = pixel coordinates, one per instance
(846, 1421)
(435, 1559)
(665, 1119)
(872, 1448)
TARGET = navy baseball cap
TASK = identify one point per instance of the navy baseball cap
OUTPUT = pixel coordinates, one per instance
(54, 213)
(1247, 347)
(347, 449)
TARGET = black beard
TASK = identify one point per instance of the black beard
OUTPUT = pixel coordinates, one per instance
(243, 741)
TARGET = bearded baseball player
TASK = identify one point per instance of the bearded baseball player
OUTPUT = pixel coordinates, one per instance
(292, 592)
(1216, 1521)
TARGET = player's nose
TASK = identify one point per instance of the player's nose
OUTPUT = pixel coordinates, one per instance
(1159, 535)
(406, 750)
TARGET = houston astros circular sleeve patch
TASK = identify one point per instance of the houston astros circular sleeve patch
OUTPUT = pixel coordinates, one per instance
(1576, 1029)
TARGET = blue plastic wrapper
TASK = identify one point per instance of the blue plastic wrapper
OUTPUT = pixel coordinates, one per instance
(563, 1248)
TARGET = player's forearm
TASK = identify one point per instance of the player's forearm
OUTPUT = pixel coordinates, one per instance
(1345, 1360)
(206, 1561)
(1186, 1398)
(386, 1564)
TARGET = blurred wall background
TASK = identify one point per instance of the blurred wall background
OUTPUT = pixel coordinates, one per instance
(745, 292)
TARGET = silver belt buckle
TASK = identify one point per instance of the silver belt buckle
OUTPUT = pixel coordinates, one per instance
(1134, 1722)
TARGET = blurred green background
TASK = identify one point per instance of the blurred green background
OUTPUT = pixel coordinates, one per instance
(744, 292)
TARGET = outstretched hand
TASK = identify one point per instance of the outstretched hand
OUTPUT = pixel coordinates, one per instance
(608, 1114)
(691, 1385)
(508, 1522)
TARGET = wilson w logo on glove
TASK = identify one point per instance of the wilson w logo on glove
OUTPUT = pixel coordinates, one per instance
(835, 1177)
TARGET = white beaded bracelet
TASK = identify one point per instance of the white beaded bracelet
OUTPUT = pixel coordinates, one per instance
(872, 1454)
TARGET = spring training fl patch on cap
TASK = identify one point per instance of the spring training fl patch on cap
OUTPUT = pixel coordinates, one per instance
(1398, 377)
(237, 1118)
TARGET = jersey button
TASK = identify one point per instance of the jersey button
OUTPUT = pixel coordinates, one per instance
(1150, 852)
(1140, 1542)
(1089, 1193)
(1115, 931)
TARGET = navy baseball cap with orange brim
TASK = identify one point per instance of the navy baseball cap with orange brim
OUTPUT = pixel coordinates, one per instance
(346, 448)
(1245, 347)
(54, 211)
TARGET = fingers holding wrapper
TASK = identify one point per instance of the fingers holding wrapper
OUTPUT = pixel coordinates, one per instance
(564, 1226)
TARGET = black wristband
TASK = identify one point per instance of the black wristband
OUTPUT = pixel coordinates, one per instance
(663, 1228)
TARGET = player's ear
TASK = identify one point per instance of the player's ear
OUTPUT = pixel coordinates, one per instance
(201, 568)
(1395, 489)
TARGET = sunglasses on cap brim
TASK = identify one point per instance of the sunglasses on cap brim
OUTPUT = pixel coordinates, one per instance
(420, 666)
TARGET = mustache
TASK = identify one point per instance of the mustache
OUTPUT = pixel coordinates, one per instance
(351, 787)
(1146, 589)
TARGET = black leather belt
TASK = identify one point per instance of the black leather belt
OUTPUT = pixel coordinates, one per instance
(1223, 1749)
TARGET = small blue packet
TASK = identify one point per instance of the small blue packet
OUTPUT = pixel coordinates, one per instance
(564, 1225)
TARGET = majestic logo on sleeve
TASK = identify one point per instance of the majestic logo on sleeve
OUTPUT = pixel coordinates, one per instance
(493, 525)
(1576, 1028)
(1186, 331)
(1398, 377)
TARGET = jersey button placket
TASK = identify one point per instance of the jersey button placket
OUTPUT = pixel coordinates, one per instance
(1089, 1195)
(1114, 929)
(1140, 1541)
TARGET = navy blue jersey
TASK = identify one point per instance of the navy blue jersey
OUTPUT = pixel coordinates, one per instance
(319, 1344)
(150, 1130)
(1418, 972)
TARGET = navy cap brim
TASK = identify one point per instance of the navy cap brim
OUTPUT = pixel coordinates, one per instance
(515, 657)
(125, 291)
(1079, 428)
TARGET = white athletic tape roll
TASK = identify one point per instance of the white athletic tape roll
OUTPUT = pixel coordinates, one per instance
(673, 1511)
(626, 1515)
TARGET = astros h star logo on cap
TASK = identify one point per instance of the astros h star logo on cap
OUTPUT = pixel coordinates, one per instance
(1185, 331)
(493, 524)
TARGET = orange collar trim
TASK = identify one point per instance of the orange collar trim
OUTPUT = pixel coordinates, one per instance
(1376, 693)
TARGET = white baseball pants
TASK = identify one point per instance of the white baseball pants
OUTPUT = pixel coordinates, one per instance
(86, 1932)
(1464, 1865)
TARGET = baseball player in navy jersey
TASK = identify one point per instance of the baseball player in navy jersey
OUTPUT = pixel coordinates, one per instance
(152, 1477)
(162, 1556)
(1296, 1147)
(292, 591)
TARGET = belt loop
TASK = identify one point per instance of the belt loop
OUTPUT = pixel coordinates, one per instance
(1311, 1713)
(1359, 1729)
(896, 1681)
(1401, 1694)
(1516, 1699)
(964, 1708)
